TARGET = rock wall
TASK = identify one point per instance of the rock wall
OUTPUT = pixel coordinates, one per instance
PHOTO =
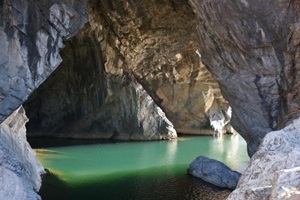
(19, 170)
(252, 48)
(156, 42)
(31, 34)
(273, 172)
(81, 100)
(129, 43)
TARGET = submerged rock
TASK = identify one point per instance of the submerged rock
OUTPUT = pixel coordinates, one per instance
(19, 169)
(274, 170)
(214, 172)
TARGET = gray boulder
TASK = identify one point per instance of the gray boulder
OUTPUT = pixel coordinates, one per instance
(273, 171)
(214, 172)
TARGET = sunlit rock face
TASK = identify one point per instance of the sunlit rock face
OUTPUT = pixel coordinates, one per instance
(273, 172)
(252, 48)
(128, 43)
(19, 170)
(156, 42)
(31, 34)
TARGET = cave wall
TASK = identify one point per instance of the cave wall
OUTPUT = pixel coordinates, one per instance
(156, 42)
(252, 48)
(31, 34)
(81, 100)
(126, 44)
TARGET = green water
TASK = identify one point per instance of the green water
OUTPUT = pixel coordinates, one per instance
(135, 170)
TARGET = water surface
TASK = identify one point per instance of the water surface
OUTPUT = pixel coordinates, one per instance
(134, 170)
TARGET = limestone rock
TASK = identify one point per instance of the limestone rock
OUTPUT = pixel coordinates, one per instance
(82, 100)
(273, 172)
(287, 184)
(214, 172)
(251, 48)
(158, 49)
(157, 43)
(19, 170)
(31, 35)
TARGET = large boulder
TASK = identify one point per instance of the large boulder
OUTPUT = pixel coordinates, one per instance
(273, 172)
(252, 49)
(214, 172)
(19, 169)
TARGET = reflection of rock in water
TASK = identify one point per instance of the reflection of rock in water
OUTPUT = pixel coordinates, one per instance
(43, 154)
(200, 190)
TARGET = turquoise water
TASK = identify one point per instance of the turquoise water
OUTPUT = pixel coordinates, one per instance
(135, 170)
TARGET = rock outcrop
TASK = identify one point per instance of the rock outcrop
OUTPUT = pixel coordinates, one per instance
(19, 169)
(31, 35)
(252, 49)
(130, 39)
(214, 172)
(274, 170)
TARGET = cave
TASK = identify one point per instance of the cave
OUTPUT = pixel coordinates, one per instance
(100, 89)
(151, 71)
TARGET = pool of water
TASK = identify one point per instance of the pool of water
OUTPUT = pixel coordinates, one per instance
(133, 170)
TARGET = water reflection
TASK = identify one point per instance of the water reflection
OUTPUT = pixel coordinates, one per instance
(171, 152)
(228, 149)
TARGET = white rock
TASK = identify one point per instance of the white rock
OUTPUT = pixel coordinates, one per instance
(274, 170)
(19, 169)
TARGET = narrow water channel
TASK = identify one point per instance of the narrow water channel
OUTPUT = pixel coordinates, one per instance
(133, 170)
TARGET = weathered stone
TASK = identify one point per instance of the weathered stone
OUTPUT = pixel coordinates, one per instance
(287, 184)
(131, 37)
(157, 43)
(273, 172)
(251, 47)
(19, 169)
(214, 172)
(31, 34)
(81, 100)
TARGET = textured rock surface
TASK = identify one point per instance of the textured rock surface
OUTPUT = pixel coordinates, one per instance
(19, 170)
(156, 42)
(31, 34)
(252, 48)
(214, 172)
(158, 49)
(82, 100)
(274, 171)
